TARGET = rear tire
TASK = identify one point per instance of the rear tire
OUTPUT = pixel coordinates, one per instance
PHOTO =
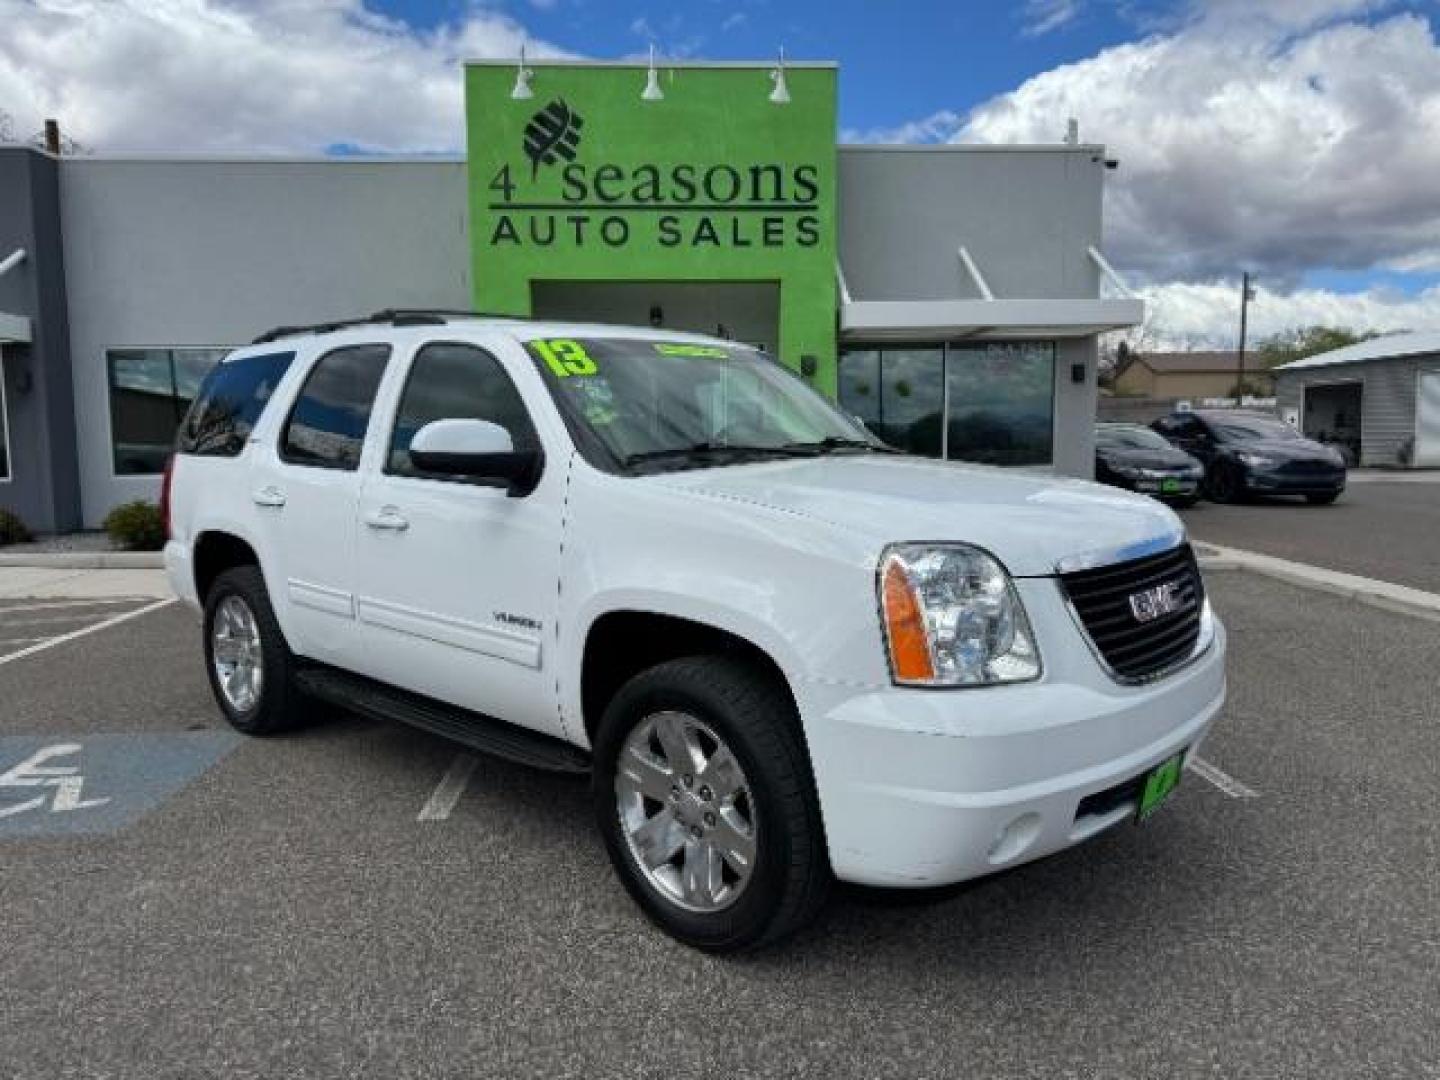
(251, 668)
(670, 804)
(1322, 500)
(1185, 502)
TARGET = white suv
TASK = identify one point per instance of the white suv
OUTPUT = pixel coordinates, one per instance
(783, 651)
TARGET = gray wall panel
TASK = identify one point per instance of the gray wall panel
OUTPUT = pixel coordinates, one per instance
(206, 252)
(44, 484)
(1026, 216)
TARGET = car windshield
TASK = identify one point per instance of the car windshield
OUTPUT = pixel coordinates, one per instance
(678, 404)
(1130, 438)
(1249, 428)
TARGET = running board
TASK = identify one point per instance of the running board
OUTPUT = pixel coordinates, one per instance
(380, 701)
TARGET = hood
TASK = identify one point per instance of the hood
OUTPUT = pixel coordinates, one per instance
(1284, 449)
(1147, 458)
(1029, 522)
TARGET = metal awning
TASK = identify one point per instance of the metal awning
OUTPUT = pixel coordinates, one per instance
(14, 329)
(989, 317)
(910, 319)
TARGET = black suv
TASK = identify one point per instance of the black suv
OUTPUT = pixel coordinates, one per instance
(1248, 453)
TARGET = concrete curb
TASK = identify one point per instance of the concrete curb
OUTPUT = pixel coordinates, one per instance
(1381, 594)
(86, 560)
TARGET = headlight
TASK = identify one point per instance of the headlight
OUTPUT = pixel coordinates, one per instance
(952, 618)
(1258, 461)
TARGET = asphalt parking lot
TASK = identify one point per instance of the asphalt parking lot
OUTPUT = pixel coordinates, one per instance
(1377, 529)
(324, 905)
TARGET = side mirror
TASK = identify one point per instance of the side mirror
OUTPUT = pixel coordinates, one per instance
(477, 449)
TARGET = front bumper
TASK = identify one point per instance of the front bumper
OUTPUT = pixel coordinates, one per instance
(1264, 482)
(1168, 488)
(931, 787)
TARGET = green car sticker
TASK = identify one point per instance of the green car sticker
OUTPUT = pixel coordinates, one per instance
(668, 349)
(564, 357)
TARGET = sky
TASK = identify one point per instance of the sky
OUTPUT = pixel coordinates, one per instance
(1298, 140)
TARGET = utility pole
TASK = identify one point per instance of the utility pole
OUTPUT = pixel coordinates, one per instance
(1247, 293)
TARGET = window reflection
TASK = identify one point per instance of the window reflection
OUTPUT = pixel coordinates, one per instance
(1001, 399)
(150, 391)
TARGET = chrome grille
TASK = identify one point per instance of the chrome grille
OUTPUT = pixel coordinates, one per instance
(1134, 650)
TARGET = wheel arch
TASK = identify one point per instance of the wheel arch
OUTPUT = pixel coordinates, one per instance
(215, 551)
(621, 642)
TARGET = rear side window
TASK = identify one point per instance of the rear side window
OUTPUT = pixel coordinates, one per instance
(326, 428)
(456, 382)
(229, 404)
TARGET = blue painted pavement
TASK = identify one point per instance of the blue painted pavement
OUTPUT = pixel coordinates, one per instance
(62, 785)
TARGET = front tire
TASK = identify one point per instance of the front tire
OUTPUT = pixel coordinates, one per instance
(1322, 500)
(704, 796)
(251, 668)
(1222, 484)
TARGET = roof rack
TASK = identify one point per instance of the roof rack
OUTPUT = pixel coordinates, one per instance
(392, 316)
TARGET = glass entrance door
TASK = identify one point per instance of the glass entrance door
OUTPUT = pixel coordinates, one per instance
(991, 402)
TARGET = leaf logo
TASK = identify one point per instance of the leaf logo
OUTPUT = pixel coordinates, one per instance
(553, 132)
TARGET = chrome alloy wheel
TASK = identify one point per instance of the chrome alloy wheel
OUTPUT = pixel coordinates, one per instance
(235, 654)
(686, 811)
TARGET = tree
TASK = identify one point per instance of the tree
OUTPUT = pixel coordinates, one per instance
(1297, 344)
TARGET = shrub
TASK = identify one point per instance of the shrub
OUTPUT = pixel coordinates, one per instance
(136, 526)
(12, 529)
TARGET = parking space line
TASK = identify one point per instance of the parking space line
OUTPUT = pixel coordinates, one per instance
(6, 607)
(452, 785)
(114, 620)
(1225, 782)
(50, 620)
(18, 641)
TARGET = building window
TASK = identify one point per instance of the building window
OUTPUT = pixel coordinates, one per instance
(150, 392)
(4, 427)
(1002, 403)
(992, 403)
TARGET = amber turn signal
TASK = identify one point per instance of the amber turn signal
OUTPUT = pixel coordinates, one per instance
(905, 627)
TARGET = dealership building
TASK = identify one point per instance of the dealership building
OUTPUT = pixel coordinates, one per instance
(949, 296)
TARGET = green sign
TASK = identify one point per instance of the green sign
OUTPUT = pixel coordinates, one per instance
(586, 182)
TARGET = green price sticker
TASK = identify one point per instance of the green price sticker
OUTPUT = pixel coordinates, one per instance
(665, 349)
(565, 357)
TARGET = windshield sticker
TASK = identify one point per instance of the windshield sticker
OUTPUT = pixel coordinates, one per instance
(668, 349)
(564, 357)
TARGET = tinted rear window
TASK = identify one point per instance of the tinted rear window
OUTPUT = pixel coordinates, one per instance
(229, 404)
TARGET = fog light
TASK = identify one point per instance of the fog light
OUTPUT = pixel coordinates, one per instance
(1011, 841)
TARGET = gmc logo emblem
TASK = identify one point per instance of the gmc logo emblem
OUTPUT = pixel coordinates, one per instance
(1149, 605)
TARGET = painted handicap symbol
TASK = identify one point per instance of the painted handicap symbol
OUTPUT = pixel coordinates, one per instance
(65, 780)
(70, 784)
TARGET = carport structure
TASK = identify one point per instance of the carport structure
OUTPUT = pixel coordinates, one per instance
(1380, 399)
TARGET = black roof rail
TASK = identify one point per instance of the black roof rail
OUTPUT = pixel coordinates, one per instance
(392, 316)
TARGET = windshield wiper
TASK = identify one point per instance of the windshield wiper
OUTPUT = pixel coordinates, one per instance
(704, 450)
(831, 443)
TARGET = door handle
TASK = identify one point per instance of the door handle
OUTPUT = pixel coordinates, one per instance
(268, 496)
(387, 517)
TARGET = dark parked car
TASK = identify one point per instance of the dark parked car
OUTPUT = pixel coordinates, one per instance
(1137, 459)
(1248, 453)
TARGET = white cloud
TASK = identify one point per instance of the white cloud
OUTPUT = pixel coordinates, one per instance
(1043, 16)
(1318, 149)
(1181, 314)
(938, 127)
(734, 21)
(1278, 137)
(270, 75)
